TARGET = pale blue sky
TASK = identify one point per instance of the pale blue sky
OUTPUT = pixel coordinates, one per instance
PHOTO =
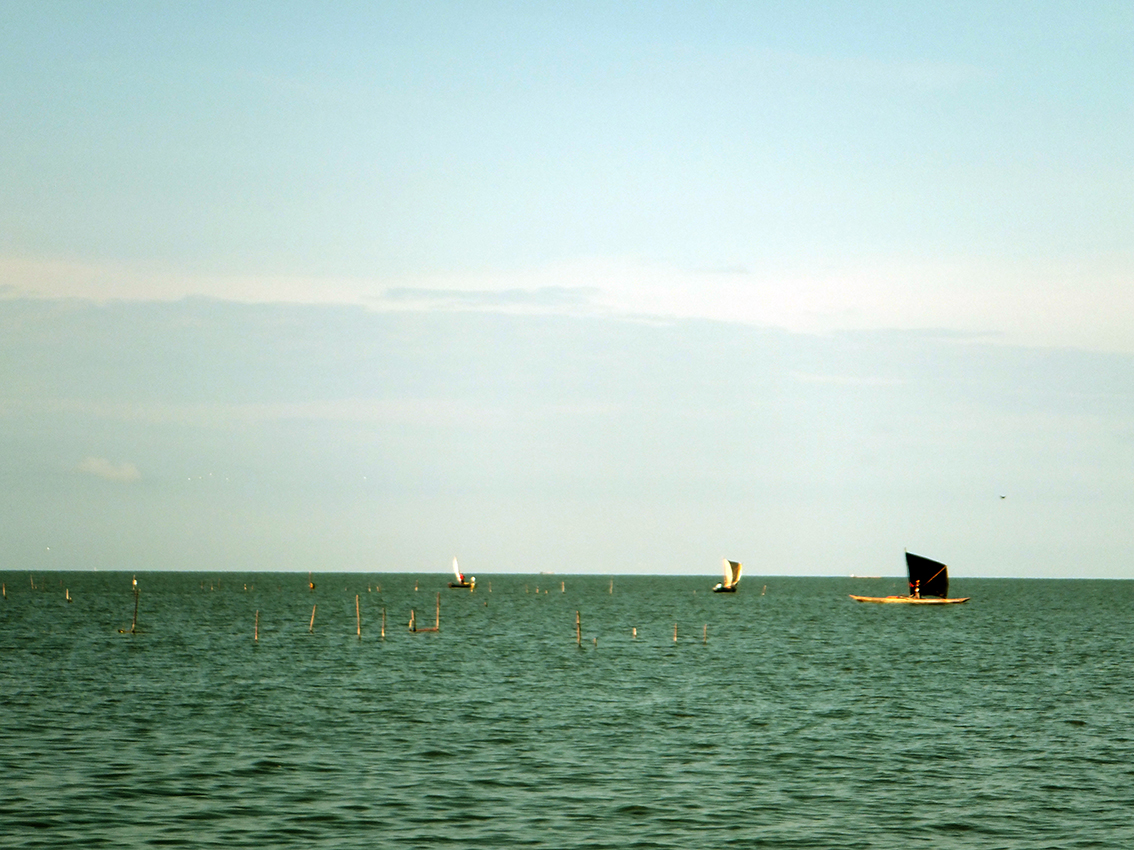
(585, 287)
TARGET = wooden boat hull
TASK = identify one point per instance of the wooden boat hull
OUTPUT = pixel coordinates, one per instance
(911, 600)
(725, 589)
(463, 584)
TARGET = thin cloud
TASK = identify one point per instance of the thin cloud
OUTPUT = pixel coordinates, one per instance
(544, 297)
(847, 380)
(1079, 303)
(100, 467)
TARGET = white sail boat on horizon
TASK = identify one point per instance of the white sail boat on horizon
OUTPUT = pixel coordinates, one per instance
(461, 580)
(732, 570)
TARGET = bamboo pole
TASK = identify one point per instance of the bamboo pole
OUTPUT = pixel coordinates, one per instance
(383, 624)
(578, 631)
(311, 627)
(412, 626)
(437, 624)
(357, 616)
(705, 634)
(134, 624)
(256, 633)
(675, 632)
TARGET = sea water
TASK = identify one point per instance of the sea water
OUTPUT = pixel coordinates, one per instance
(785, 715)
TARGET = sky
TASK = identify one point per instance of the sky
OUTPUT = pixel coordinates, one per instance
(575, 287)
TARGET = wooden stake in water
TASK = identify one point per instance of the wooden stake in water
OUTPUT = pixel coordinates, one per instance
(562, 587)
(134, 624)
(612, 585)
(383, 624)
(357, 616)
(436, 627)
(311, 626)
(578, 631)
(675, 632)
(256, 633)
(705, 634)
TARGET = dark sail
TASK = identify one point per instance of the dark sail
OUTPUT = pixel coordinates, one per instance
(931, 578)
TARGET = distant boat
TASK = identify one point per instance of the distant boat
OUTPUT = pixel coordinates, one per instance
(461, 580)
(929, 584)
(731, 576)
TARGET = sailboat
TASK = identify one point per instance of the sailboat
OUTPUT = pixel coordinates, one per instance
(461, 580)
(929, 584)
(731, 576)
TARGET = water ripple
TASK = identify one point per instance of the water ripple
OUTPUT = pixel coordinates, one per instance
(803, 721)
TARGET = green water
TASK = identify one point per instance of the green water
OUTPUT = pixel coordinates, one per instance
(792, 717)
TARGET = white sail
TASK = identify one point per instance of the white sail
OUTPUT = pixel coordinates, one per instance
(457, 571)
(731, 571)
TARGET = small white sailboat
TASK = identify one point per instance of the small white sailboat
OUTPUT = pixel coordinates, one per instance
(732, 570)
(461, 580)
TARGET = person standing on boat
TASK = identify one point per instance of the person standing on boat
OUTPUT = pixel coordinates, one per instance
(917, 588)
